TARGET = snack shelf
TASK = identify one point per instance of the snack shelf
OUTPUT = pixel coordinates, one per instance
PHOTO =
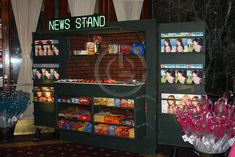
(116, 117)
(113, 107)
(86, 101)
(106, 123)
(72, 104)
(65, 125)
(105, 84)
(115, 131)
(74, 131)
(106, 54)
(73, 119)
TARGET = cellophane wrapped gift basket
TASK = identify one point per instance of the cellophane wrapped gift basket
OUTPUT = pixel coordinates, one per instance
(209, 127)
(12, 105)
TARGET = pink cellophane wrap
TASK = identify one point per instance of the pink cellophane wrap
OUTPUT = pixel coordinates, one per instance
(232, 151)
(209, 127)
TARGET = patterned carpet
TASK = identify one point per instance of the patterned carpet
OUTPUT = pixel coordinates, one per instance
(51, 146)
(58, 148)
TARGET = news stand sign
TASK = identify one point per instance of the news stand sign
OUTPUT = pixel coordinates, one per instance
(77, 23)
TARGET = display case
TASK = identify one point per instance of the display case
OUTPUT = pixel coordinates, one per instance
(181, 75)
(100, 113)
(107, 96)
(48, 66)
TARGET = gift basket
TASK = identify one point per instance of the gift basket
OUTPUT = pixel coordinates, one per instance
(209, 127)
(12, 105)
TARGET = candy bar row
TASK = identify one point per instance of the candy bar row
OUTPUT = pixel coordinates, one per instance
(102, 129)
(112, 118)
(103, 101)
(75, 100)
(76, 126)
(75, 113)
(112, 130)
(92, 49)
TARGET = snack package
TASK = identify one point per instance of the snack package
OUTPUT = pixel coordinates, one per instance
(85, 100)
(84, 117)
(88, 127)
(67, 126)
(97, 128)
(60, 123)
(128, 121)
(101, 129)
(114, 119)
(75, 126)
(113, 48)
(69, 101)
(130, 103)
(125, 49)
(105, 101)
(110, 102)
(137, 49)
(82, 127)
(64, 100)
(90, 47)
(99, 117)
(122, 131)
(111, 130)
(124, 103)
(97, 100)
(75, 100)
(59, 100)
(131, 133)
(117, 102)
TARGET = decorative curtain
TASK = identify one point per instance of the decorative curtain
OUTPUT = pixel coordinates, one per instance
(26, 13)
(82, 7)
(128, 9)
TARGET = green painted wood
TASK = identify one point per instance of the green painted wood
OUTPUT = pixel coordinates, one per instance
(169, 131)
(44, 114)
(146, 96)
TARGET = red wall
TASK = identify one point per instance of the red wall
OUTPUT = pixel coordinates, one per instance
(117, 67)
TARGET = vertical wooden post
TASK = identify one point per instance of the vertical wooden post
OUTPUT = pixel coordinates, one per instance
(63, 8)
(106, 7)
(48, 11)
(146, 9)
(5, 45)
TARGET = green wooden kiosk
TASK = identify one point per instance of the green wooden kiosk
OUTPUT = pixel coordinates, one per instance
(105, 84)
(135, 78)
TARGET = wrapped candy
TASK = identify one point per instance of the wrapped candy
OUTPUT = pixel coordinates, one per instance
(210, 128)
(12, 105)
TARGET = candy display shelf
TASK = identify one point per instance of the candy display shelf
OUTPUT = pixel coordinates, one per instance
(116, 62)
(109, 120)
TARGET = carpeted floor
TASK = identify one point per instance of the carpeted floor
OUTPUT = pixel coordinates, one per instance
(58, 149)
(51, 146)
